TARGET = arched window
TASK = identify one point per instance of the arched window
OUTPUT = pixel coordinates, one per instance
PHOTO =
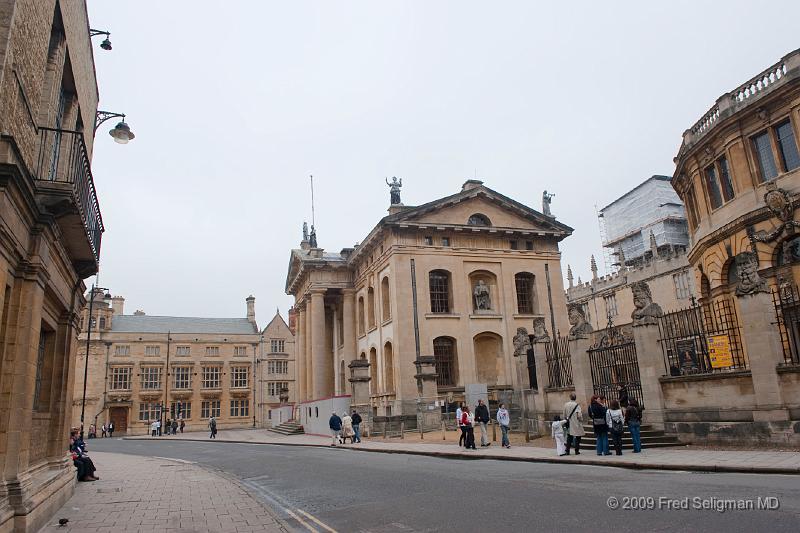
(439, 286)
(361, 329)
(388, 367)
(526, 293)
(371, 307)
(373, 371)
(705, 288)
(385, 302)
(444, 352)
(479, 219)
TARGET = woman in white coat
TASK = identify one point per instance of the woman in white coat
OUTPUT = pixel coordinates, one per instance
(347, 428)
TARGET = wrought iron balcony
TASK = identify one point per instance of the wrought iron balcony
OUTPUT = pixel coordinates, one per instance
(65, 187)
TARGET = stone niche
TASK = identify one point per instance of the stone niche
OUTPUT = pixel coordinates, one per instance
(483, 293)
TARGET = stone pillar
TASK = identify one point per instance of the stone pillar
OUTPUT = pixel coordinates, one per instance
(349, 324)
(762, 344)
(651, 368)
(307, 355)
(426, 376)
(321, 364)
(581, 369)
(359, 384)
(300, 356)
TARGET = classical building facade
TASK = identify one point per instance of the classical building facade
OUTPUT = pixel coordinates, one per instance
(144, 368)
(50, 232)
(428, 303)
(277, 369)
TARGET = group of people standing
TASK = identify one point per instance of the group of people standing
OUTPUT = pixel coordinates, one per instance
(106, 429)
(608, 419)
(466, 424)
(170, 427)
(345, 427)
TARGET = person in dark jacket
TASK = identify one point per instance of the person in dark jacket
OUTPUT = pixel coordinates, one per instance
(633, 418)
(80, 459)
(597, 414)
(335, 423)
(482, 417)
(356, 426)
(623, 396)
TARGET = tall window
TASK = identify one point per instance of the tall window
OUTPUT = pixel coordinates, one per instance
(585, 308)
(691, 207)
(151, 377)
(182, 377)
(385, 301)
(766, 161)
(239, 377)
(361, 312)
(149, 411)
(787, 146)
(212, 350)
(371, 307)
(277, 367)
(681, 281)
(712, 186)
(182, 350)
(479, 219)
(209, 408)
(611, 305)
(277, 345)
(525, 293)
(719, 183)
(122, 349)
(40, 356)
(180, 409)
(444, 352)
(439, 281)
(239, 350)
(274, 387)
(102, 322)
(211, 377)
(121, 378)
(240, 407)
(152, 350)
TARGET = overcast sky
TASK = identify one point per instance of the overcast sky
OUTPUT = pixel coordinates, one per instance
(235, 103)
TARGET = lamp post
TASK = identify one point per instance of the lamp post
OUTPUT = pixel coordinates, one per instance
(121, 132)
(88, 341)
(106, 44)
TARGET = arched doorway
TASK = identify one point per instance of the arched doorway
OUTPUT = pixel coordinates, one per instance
(488, 349)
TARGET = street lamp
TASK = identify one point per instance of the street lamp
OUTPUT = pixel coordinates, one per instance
(106, 44)
(88, 341)
(121, 133)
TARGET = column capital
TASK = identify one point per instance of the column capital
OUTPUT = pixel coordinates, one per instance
(349, 292)
(317, 291)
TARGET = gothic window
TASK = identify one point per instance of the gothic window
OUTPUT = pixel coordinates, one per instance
(524, 282)
(611, 305)
(479, 219)
(444, 352)
(439, 284)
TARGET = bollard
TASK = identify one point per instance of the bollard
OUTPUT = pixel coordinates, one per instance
(419, 426)
(444, 431)
(402, 429)
(384, 430)
(494, 430)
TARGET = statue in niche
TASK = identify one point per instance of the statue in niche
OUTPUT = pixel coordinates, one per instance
(522, 343)
(749, 280)
(540, 330)
(547, 199)
(791, 251)
(580, 327)
(483, 301)
(646, 311)
(394, 190)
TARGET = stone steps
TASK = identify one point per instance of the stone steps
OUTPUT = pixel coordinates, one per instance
(650, 437)
(288, 428)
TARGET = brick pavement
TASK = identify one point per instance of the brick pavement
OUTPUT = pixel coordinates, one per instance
(146, 494)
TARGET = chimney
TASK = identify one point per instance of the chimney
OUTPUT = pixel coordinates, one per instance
(292, 320)
(118, 305)
(251, 309)
(138, 312)
(471, 184)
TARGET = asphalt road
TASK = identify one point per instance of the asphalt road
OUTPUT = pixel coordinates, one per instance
(345, 490)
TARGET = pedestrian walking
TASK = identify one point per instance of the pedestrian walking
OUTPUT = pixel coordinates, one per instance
(633, 417)
(504, 420)
(104, 430)
(615, 420)
(482, 417)
(559, 435)
(573, 422)
(335, 424)
(110, 429)
(158, 427)
(597, 414)
(212, 425)
(183, 424)
(459, 413)
(468, 421)
(356, 418)
(174, 427)
(153, 429)
(347, 429)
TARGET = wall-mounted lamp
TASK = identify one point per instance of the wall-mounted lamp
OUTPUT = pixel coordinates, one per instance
(106, 44)
(121, 133)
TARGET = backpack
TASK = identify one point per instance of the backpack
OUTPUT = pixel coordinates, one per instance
(616, 424)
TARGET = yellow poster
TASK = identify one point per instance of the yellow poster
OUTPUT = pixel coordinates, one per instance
(719, 351)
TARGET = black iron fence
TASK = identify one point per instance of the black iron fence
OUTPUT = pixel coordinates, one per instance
(615, 368)
(63, 158)
(559, 362)
(786, 299)
(702, 339)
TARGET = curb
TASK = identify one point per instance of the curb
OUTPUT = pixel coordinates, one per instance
(550, 460)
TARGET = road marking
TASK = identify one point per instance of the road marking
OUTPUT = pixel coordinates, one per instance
(317, 521)
(303, 522)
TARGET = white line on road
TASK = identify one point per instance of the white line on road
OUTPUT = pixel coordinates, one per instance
(318, 521)
(306, 524)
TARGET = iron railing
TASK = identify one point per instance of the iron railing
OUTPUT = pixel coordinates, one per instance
(688, 335)
(786, 299)
(63, 158)
(615, 366)
(559, 362)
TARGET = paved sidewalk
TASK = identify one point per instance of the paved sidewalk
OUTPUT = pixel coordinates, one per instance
(146, 494)
(681, 458)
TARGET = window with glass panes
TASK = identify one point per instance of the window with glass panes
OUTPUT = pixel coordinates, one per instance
(239, 377)
(439, 281)
(121, 378)
(212, 350)
(274, 387)
(211, 376)
(152, 350)
(719, 183)
(122, 349)
(277, 345)
(149, 411)
(210, 408)
(240, 407)
(240, 350)
(40, 356)
(444, 359)
(611, 305)
(766, 161)
(182, 350)
(524, 285)
(787, 146)
(182, 377)
(180, 410)
(681, 281)
(151, 377)
(277, 367)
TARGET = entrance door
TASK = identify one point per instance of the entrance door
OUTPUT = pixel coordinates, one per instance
(614, 364)
(119, 417)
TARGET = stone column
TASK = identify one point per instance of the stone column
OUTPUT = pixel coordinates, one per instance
(300, 356)
(307, 355)
(651, 368)
(762, 344)
(426, 375)
(349, 324)
(321, 365)
(581, 369)
(359, 401)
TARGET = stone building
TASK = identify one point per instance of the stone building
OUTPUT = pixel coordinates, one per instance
(144, 368)
(50, 232)
(646, 232)
(738, 173)
(277, 367)
(428, 303)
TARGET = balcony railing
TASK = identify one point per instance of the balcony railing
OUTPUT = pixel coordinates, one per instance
(64, 160)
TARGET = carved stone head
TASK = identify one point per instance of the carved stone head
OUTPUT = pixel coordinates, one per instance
(750, 282)
(522, 343)
(642, 297)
